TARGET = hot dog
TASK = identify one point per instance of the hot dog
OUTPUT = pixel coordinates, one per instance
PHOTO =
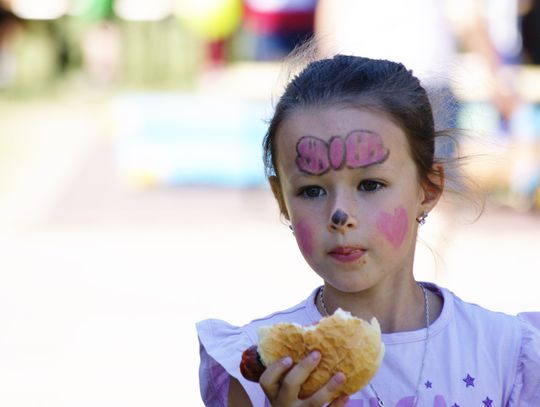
(347, 344)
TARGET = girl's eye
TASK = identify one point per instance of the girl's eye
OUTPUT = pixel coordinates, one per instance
(311, 192)
(370, 186)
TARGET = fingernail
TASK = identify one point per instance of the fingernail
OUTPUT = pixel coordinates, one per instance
(339, 378)
(286, 361)
(315, 355)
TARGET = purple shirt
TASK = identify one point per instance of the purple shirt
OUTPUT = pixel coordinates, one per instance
(475, 357)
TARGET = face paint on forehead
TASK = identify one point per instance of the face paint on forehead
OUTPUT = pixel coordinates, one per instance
(359, 149)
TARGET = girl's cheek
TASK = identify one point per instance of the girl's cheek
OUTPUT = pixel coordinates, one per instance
(304, 237)
(393, 226)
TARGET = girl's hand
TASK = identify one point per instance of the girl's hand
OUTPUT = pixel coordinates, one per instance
(281, 383)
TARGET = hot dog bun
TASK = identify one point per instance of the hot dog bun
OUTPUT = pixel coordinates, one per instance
(347, 344)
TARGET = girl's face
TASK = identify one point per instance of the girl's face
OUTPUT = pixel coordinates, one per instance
(351, 191)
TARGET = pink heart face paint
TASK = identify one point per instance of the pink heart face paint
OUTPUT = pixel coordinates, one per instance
(393, 226)
(303, 234)
(359, 149)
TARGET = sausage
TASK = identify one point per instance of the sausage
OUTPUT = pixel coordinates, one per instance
(251, 365)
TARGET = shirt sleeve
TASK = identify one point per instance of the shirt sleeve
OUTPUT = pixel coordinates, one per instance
(526, 391)
(221, 348)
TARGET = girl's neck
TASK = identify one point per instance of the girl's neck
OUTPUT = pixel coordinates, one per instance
(398, 308)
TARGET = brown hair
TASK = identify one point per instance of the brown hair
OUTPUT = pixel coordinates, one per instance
(355, 81)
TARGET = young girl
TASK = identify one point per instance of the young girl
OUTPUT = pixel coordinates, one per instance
(350, 156)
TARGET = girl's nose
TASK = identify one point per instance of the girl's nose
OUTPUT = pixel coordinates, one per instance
(340, 221)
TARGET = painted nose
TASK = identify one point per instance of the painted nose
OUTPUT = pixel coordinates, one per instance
(340, 221)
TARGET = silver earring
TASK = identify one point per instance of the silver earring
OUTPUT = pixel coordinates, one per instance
(291, 228)
(422, 218)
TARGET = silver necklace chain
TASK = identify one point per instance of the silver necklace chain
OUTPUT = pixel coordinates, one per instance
(426, 340)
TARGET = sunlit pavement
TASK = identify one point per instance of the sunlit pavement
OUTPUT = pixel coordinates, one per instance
(101, 286)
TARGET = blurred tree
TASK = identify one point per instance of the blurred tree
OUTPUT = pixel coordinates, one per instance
(92, 10)
(158, 54)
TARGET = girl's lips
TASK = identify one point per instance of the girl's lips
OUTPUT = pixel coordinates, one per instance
(346, 254)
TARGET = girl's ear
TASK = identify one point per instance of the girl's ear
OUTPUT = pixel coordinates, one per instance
(278, 194)
(434, 189)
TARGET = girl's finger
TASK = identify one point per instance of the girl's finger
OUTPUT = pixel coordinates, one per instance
(328, 392)
(270, 380)
(290, 386)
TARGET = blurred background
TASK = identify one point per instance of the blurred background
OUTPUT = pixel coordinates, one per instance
(132, 195)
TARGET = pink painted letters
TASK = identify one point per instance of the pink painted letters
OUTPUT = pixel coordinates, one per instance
(361, 148)
(364, 148)
(312, 155)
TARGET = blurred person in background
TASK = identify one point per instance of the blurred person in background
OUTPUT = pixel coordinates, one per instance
(530, 30)
(99, 37)
(524, 182)
(272, 28)
(8, 25)
(101, 49)
(426, 35)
